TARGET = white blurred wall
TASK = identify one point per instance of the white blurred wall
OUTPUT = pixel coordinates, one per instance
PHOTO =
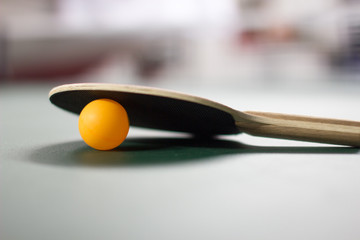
(201, 37)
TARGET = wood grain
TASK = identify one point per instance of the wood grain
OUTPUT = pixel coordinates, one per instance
(323, 130)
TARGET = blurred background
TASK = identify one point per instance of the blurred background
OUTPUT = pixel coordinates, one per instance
(159, 42)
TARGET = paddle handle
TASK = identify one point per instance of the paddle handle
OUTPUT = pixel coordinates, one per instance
(322, 130)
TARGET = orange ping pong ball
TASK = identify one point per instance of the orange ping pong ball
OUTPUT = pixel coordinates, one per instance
(103, 124)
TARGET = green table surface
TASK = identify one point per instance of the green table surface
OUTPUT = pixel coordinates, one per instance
(162, 185)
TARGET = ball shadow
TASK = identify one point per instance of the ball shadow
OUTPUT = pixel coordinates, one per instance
(161, 151)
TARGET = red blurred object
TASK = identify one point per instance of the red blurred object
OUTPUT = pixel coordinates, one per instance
(58, 70)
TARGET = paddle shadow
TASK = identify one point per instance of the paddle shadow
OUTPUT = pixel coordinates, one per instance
(161, 151)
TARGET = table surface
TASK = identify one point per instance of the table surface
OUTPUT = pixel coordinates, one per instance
(160, 185)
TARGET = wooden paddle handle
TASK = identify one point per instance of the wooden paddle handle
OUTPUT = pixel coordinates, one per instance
(302, 128)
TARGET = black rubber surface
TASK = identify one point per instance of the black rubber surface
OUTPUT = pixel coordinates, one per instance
(155, 112)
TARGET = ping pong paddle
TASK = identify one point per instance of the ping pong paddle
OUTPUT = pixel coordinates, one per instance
(173, 111)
